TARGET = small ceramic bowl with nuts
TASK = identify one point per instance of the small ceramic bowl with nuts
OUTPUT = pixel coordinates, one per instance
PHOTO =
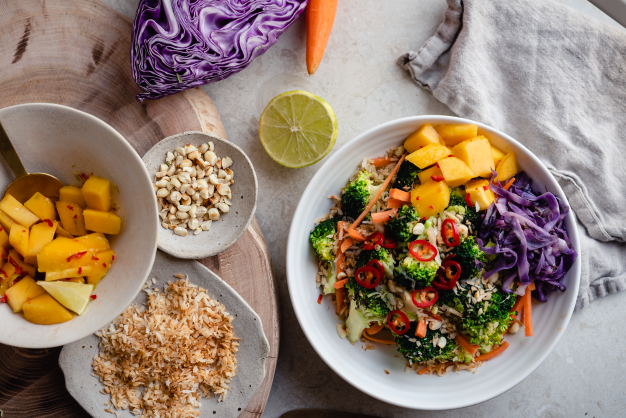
(206, 191)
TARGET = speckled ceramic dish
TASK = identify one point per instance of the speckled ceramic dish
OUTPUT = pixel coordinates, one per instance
(63, 141)
(227, 230)
(76, 359)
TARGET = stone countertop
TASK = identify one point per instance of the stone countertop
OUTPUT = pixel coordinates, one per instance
(583, 376)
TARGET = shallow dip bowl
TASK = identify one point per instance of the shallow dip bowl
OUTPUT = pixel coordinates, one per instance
(365, 370)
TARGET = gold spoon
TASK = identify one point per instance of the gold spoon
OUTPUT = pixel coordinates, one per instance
(26, 185)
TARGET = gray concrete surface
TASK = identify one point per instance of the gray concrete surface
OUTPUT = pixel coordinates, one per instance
(582, 377)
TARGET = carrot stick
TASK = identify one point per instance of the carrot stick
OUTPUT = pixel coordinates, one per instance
(355, 235)
(464, 342)
(420, 331)
(527, 319)
(320, 16)
(340, 284)
(374, 329)
(395, 203)
(347, 243)
(422, 371)
(376, 196)
(380, 217)
(509, 183)
(381, 161)
(400, 195)
(517, 306)
(378, 340)
(493, 353)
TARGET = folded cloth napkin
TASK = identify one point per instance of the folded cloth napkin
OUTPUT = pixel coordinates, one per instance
(554, 79)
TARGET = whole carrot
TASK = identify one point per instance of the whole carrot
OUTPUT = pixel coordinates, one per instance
(320, 15)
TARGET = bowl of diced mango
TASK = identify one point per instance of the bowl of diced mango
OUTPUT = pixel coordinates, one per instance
(69, 264)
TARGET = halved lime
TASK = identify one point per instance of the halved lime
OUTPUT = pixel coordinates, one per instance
(298, 129)
(74, 296)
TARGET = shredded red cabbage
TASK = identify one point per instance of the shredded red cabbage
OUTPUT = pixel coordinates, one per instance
(531, 243)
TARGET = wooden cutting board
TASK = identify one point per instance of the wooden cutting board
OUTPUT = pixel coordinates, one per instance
(77, 53)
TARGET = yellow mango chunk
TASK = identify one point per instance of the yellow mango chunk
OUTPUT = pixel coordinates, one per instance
(41, 206)
(21, 292)
(71, 217)
(426, 175)
(4, 238)
(101, 267)
(97, 193)
(96, 242)
(18, 238)
(20, 264)
(105, 222)
(17, 212)
(80, 280)
(5, 222)
(62, 254)
(455, 171)
(430, 198)
(455, 134)
(41, 234)
(425, 135)
(480, 193)
(45, 310)
(5, 283)
(63, 233)
(8, 270)
(68, 273)
(428, 155)
(497, 155)
(476, 153)
(507, 167)
(74, 195)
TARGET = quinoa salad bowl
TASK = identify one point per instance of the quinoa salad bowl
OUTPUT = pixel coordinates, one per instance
(433, 262)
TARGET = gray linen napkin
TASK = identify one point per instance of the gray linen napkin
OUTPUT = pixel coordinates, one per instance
(554, 79)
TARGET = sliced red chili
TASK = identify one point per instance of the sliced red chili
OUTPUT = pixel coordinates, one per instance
(435, 316)
(389, 243)
(448, 275)
(437, 178)
(17, 279)
(94, 297)
(368, 277)
(319, 299)
(450, 233)
(395, 319)
(468, 200)
(422, 250)
(76, 256)
(3, 299)
(373, 240)
(80, 270)
(49, 222)
(377, 265)
(424, 302)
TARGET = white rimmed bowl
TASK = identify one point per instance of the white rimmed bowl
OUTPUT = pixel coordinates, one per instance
(364, 369)
(63, 141)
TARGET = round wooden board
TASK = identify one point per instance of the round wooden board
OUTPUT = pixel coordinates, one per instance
(77, 53)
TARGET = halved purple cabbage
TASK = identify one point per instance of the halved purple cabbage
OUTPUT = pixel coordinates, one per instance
(530, 240)
(179, 44)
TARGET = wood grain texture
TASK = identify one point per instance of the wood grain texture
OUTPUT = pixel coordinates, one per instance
(77, 53)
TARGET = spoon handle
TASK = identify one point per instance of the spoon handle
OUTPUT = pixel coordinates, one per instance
(10, 156)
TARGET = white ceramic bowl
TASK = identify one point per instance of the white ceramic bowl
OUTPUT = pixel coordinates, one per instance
(63, 141)
(364, 369)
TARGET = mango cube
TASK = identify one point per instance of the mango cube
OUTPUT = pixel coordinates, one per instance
(101, 267)
(480, 193)
(97, 193)
(96, 242)
(5, 222)
(62, 254)
(476, 153)
(507, 167)
(497, 155)
(18, 238)
(4, 238)
(20, 264)
(425, 135)
(426, 175)
(455, 171)
(8, 270)
(430, 198)
(74, 195)
(41, 206)
(45, 310)
(17, 212)
(21, 292)
(455, 134)
(5, 283)
(105, 222)
(428, 155)
(68, 273)
(41, 234)
(71, 217)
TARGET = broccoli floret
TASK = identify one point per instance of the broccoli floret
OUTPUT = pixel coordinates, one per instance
(459, 205)
(322, 239)
(415, 274)
(470, 257)
(489, 327)
(422, 349)
(356, 195)
(383, 255)
(366, 306)
(407, 174)
(401, 226)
